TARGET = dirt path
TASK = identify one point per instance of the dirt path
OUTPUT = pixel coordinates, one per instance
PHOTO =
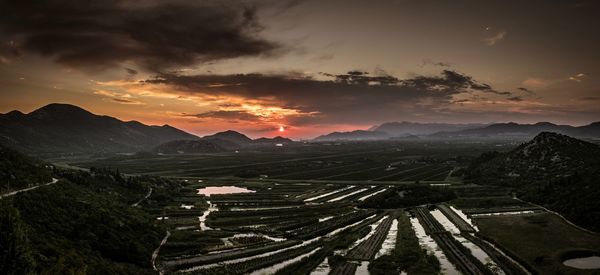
(155, 253)
(27, 189)
(142, 199)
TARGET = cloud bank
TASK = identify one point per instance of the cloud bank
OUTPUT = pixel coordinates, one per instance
(156, 35)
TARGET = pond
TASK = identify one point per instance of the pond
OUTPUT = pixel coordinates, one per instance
(217, 190)
(592, 262)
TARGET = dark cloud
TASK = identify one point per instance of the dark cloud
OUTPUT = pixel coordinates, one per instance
(153, 34)
(523, 89)
(515, 98)
(589, 98)
(363, 78)
(353, 97)
(9, 51)
(450, 81)
(131, 72)
(428, 61)
(126, 101)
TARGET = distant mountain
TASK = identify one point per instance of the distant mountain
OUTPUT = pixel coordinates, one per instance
(275, 140)
(18, 171)
(64, 128)
(220, 142)
(354, 135)
(523, 131)
(230, 136)
(552, 169)
(401, 129)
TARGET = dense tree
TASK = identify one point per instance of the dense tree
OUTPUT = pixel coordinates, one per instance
(15, 250)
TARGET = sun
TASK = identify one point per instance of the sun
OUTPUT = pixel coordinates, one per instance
(281, 129)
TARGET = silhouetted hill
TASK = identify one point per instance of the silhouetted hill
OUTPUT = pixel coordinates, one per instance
(231, 136)
(275, 140)
(354, 135)
(18, 171)
(64, 128)
(400, 129)
(220, 142)
(524, 131)
(554, 170)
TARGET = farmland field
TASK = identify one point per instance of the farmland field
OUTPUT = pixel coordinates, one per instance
(381, 161)
(379, 208)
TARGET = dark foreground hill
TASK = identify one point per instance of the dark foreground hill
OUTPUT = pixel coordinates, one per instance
(82, 224)
(67, 129)
(18, 171)
(554, 170)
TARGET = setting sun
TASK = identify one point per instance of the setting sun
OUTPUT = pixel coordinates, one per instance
(281, 129)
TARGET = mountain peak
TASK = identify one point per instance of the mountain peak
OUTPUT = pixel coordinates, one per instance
(551, 137)
(232, 136)
(60, 110)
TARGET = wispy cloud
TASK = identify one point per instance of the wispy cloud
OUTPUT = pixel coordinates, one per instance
(536, 82)
(578, 77)
(121, 98)
(492, 40)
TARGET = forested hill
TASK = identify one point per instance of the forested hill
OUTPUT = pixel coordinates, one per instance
(18, 171)
(554, 170)
(83, 224)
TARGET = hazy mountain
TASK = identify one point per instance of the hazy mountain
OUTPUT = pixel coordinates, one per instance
(515, 130)
(399, 129)
(275, 140)
(219, 142)
(231, 136)
(354, 135)
(18, 171)
(64, 128)
(555, 170)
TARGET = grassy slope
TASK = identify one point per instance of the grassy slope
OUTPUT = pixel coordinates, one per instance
(539, 239)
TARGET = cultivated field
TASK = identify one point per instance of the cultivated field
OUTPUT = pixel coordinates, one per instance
(311, 210)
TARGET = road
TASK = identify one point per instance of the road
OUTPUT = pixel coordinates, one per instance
(155, 253)
(27, 189)
(142, 199)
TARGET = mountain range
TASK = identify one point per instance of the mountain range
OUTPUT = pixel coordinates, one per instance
(68, 129)
(64, 128)
(404, 128)
(58, 129)
(354, 135)
(226, 141)
(511, 130)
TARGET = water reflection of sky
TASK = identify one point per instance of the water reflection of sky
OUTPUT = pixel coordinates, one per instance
(216, 190)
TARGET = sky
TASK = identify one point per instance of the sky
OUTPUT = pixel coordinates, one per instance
(304, 67)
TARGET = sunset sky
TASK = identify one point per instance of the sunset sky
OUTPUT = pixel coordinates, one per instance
(311, 67)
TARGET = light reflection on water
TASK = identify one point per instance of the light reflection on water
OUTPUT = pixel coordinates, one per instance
(217, 190)
(592, 262)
